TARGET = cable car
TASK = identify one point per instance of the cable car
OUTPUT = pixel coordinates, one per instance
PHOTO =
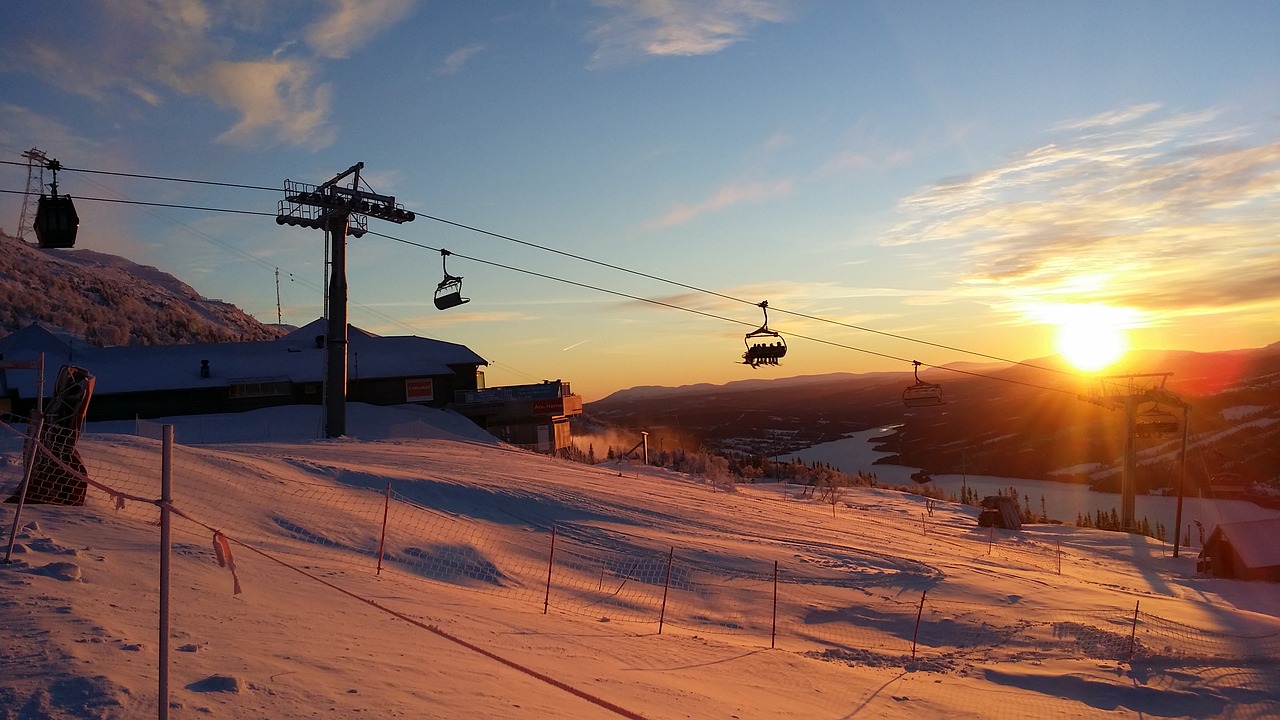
(922, 394)
(56, 222)
(449, 291)
(1155, 423)
(764, 346)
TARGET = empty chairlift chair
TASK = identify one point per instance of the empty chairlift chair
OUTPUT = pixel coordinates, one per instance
(56, 222)
(449, 291)
(764, 346)
(922, 394)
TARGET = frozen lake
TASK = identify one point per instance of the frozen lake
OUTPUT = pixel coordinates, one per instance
(1062, 500)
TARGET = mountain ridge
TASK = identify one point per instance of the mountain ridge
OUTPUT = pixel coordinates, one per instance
(108, 300)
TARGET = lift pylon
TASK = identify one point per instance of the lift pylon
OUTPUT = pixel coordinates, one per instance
(339, 211)
(1128, 393)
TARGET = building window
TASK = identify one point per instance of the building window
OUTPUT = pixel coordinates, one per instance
(257, 389)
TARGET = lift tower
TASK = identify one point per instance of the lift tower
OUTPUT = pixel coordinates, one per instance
(1129, 392)
(338, 211)
(36, 162)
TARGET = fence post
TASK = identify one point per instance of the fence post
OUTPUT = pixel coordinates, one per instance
(773, 634)
(662, 616)
(916, 634)
(1133, 631)
(31, 447)
(386, 508)
(1059, 557)
(166, 544)
(551, 558)
(991, 536)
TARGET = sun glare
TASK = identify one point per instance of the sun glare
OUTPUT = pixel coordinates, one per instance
(1091, 337)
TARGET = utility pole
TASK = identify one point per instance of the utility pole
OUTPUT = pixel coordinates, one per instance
(338, 211)
(1128, 393)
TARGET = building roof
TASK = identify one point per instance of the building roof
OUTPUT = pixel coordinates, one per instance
(296, 357)
(1257, 542)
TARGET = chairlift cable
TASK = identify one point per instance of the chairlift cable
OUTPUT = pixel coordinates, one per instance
(581, 258)
(714, 316)
(601, 263)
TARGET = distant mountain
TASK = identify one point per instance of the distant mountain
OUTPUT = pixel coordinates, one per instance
(1029, 420)
(109, 300)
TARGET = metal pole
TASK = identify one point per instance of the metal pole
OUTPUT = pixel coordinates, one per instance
(382, 542)
(35, 427)
(916, 634)
(551, 559)
(666, 585)
(1182, 473)
(166, 497)
(1129, 476)
(773, 634)
(1133, 632)
(336, 335)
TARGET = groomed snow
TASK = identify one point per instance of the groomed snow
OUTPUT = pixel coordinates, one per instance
(1002, 634)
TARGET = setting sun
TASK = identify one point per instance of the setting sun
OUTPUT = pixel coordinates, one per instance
(1091, 337)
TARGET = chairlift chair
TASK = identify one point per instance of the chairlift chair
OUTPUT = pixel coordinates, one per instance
(56, 222)
(449, 291)
(764, 346)
(1155, 423)
(922, 394)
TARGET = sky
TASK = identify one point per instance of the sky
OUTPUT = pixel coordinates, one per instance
(885, 605)
(622, 183)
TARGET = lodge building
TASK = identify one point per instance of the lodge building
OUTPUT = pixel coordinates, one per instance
(153, 381)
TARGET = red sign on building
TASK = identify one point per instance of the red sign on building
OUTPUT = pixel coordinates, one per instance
(418, 390)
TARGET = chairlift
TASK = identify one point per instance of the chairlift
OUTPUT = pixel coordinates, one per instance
(1155, 423)
(922, 394)
(764, 346)
(56, 222)
(449, 291)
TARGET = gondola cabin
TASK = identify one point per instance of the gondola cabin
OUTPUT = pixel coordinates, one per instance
(56, 222)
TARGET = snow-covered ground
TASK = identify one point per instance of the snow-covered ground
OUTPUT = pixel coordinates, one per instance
(661, 601)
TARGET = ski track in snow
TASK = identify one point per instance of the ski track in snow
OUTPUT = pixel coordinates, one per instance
(79, 610)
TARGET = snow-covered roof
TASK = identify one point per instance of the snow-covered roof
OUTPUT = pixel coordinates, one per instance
(296, 357)
(1257, 542)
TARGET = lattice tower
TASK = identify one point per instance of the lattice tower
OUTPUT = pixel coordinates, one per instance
(36, 162)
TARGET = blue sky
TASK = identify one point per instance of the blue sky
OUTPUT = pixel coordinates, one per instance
(966, 174)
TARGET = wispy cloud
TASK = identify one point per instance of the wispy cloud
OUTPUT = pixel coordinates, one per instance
(723, 198)
(456, 60)
(353, 23)
(155, 50)
(1167, 214)
(276, 99)
(635, 28)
